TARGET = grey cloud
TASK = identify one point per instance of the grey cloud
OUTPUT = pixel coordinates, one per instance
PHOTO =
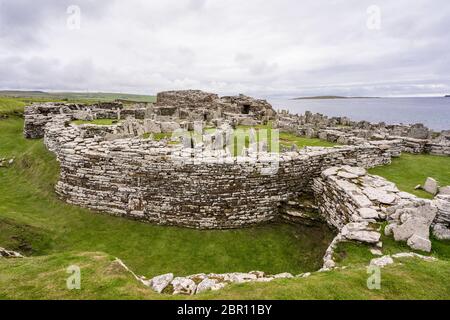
(265, 48)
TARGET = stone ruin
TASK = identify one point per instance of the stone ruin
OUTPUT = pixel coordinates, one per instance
(398, 138)
(115, 169)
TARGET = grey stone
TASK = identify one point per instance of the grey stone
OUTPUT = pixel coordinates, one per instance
(355, 170)
(159, 283)
(360, 232)
(240, 277)
(9, 253)
(283, 275)
(368, 213)
(419, 243)
(182, 285)
(376, 252)
(379, 195)
(444, 190)
(381, 262)
(431, 186)
(347, 175)
(441, 232)
(205, 285)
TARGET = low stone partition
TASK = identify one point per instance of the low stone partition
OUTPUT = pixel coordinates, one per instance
(161, 183)
(37, 115)
(414, 138)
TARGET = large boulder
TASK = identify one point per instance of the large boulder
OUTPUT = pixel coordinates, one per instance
(360, 231)
(417, 242)
(431, 186)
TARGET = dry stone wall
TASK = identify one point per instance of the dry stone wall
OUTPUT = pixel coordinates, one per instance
(155, 182)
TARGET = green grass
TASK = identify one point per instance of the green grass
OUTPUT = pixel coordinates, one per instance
(12, 103)
(160, 136)
(409, 170)
(101, 278)
(99, 122)
(27, 198)
(264, 133)
(10, 106)
(77, 96)
(288, 139)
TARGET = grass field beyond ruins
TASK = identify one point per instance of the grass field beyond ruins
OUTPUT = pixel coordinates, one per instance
(55, 235)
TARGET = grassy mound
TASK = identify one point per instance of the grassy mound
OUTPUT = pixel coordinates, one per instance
(102, 278)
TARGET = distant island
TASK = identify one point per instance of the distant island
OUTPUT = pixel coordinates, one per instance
(447, 96)
(332, 97)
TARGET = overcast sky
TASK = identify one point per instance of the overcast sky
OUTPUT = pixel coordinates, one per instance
(265, 48)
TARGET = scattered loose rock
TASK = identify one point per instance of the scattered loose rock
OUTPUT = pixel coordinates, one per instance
(182, 285)
(381, 262)
(9, 253)
(431, 186)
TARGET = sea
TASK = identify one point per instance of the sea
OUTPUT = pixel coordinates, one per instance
(433, 112)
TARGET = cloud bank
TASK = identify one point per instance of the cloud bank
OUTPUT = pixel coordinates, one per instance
(282, 48)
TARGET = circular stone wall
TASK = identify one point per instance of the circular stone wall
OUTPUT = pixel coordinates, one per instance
(155, 182)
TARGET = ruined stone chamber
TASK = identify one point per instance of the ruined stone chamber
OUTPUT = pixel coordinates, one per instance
(157, 182)
(115, 169)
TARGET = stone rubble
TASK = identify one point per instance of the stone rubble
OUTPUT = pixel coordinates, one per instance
(198, 283)
(411, 222)
(4, 162)
(9, 253)
(388, 259)
(414, 138)
(356, 204)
